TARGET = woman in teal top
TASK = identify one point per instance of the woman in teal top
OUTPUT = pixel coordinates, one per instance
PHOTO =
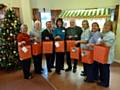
(59, 34)
(109, 41)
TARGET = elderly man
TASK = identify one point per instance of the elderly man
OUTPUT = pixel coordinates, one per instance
(72, 33)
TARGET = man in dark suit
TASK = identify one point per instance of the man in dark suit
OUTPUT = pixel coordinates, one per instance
(48, 36)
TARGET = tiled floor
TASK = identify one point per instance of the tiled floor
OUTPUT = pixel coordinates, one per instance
(52, 81)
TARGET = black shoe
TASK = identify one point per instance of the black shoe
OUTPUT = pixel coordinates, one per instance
(58, 72)
(82, 74)
(49, 70)
(68, 69)
(30, 77)
(74, 70)
(52, 66)
(88, 81)
(42, 69)
(62, 68)
(38, 72)
(100, 84)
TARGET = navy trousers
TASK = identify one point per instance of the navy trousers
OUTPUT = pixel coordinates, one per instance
(26, 68)
(104, 74)
(96, 71)
(89, 72)
(68, 59)
(49, 60)
(59, 61)
(37, 63)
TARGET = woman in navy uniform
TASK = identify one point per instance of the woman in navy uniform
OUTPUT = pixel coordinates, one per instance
(59, 34)
(85, 36)
(92, 69)
(47, 35)
(36, 38)
(108, 40)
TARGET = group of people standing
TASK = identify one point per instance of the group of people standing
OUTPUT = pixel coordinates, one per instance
(85, 39)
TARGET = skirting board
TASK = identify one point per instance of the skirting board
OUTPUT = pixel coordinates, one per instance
(118, 61)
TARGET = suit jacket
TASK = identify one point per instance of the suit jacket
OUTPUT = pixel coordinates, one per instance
(47, 33)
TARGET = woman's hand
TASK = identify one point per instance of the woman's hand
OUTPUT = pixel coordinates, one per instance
(77, 42)
(91, 45)
(22, 43)
(57, 37)
(46, 38)
(70, 36)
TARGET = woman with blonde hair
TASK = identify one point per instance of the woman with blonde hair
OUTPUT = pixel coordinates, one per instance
(36, 38)
(24, 39)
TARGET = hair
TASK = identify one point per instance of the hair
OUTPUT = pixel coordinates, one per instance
(37, 21)
(111, 24)
(48, 22)
(97, 25)
(59, 19)
(86, 21)
(23, 26)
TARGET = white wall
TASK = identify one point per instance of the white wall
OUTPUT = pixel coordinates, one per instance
(117, 48)
(72, 4)
(11, 3)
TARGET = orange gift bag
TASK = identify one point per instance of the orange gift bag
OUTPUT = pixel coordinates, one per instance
(101, 54)
(59, 46)
(24, 52)
(87, 56)
(47, 47)
(75, 53)
(36, 48)
(70, 43)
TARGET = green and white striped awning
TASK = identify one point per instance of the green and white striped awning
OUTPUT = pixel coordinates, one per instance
(85, 13)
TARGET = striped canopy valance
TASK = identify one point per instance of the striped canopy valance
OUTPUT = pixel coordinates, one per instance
(85, 13)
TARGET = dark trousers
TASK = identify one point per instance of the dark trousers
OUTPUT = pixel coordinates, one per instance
(48, 61)
(37, 63)
(96, 71)
(59, 61)
(89, 72)
(75, 64)
(92, 72)
(84, 68)
(53, 59)
(26, 67)
(68, 59)
(104, 74)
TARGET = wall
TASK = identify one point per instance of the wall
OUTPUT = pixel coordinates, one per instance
(117, 48)
(72, 4)
(11, 3)
(25, 10)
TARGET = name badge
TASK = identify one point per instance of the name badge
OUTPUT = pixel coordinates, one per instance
(24, 49)
(76, 36)
(63, 30)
